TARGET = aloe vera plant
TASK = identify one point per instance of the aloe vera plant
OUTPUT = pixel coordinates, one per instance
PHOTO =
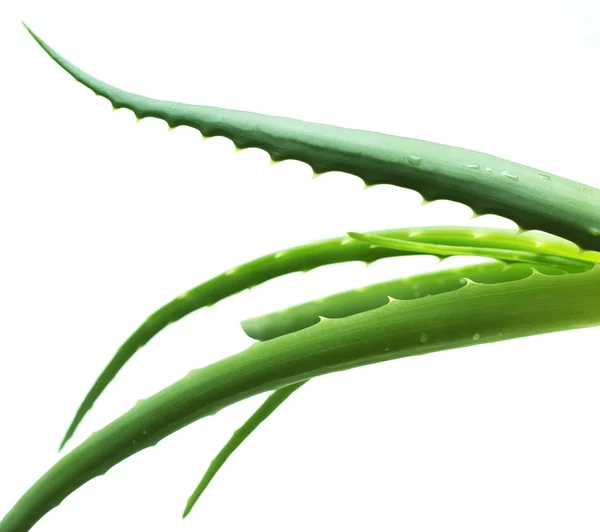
(537, 283)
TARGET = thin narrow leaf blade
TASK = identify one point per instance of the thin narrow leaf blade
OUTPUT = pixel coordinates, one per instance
(478, 248)
(239, 436)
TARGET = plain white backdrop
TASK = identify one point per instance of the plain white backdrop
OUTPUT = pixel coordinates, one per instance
(103, 220)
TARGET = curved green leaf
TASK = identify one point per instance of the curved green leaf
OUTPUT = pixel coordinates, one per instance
(239, 436)
(304, 258)
(352, 302)
(474, 314)
(342, 305)
(534, 199)
(301, 258)
(479, 248)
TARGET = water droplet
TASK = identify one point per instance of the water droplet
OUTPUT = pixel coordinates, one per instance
(546, 177)
(473, 166)
(594, 231)
(413, 160)
(423, 338)
(476, 336)
(488, 169)
(386, 349)
(514, 177)
(144, 432)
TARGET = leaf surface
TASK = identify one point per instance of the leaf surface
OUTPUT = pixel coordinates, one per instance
(472, 315)
(533, 198)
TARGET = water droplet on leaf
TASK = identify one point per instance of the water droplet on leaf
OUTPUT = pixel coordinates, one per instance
(514, 177)
(413, 160)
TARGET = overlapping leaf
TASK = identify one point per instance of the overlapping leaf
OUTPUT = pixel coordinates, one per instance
(556, 290)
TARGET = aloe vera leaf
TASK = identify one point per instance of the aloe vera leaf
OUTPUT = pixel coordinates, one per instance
(474, 314)
(362, 301)
(341, 305)
(492, 237)
(532, 198)
(239, 436)
(346, 304)
(477, 248)
(303, 258)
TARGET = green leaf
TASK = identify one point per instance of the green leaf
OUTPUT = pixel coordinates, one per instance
(345, 304)
(482, 247)
(304, 258)
(533, 198)
(472, 315)
(352, 302)
(239, 436)
(301, 258)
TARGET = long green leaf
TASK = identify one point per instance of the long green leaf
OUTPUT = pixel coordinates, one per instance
(301, 258)
(475, 314)
(346, 304)
(533, 198)
(477, 248)
(304, 258)
(366, 298)
(239, 436)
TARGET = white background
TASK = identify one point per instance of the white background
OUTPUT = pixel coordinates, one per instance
(103, 220)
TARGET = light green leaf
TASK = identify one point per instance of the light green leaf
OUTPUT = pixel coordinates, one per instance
(239, 436)
(472, 315)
